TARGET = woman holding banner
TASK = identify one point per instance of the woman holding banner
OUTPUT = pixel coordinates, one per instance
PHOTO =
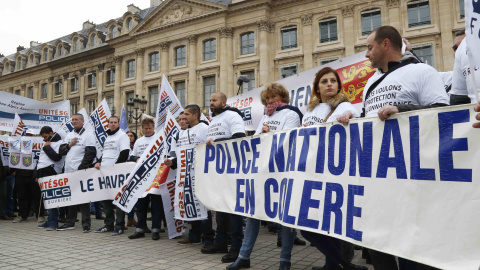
(328, 102)
(278, 116)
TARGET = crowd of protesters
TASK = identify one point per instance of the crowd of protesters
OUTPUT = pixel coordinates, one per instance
(422, 87)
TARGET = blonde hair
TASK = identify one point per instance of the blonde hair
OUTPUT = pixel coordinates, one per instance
(274, 89)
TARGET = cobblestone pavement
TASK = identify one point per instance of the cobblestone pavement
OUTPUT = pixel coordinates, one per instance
(24, 246)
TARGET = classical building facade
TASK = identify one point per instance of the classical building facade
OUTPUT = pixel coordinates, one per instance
(202, 46)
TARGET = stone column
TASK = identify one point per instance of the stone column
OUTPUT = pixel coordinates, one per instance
(139, 73)
(23, 90)
(117, 95)
(226, 60)
(307, 41)
(264, 27)
(81, 88)
(193, 96)
(36, 86)
(50, 89)
(348, 30)
(65, 86)
(100, 75)
(164, 66)
(445, 54)
(394, 15)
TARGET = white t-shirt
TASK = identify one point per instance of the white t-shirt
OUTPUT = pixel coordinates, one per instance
(321, 111)
(76, 153)
(44, 161)
(193, 135)
(225, 125)
(279, 120)
(447, 79)
(461, 77)
(415, 84)
(114, 144)
(141, 144)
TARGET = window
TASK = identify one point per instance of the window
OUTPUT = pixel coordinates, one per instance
(91, 105)
(180, 92)
(289, 37)
(93, 39)
(209, 49)
(7, 66)
(45, 55)
(113, 32)
(180, 56)
(209, 88)
(44, 92)
(328, 60)
(251, 84)
(461, 4)
(74, 84)
(59, 50)
(288, 71)
(153, 99)
(418, 13)
(111, 76)
(73, 108)
(129, 96)
(17, 92)
(129, 23)
(30, 92)
(58, 88)
(247, 43)
(31, 58)
(75, 45)
(425, 53)
(130, 69)
(19, 63)
(153, 63)
(328, 30)
(92, 80)
(371, 20)
(110, 103)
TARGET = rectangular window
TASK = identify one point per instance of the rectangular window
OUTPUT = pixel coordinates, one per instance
(92, 80)
(44, 91)
(371, 20)
(209, 88)
(153, 100)
(418, 13)
(131, 69)
(251, 84)
(129, 98)
(461, 4)
(328, 60)
(30, 92)
(180, 58)
(180, 92)
(110, 103)
(58, 88)
(17, 92)
(248, 43)
(73, 108)
(288, 71)
(289, 38)
(425, 53)
(209, 49)
(153, 66)
(74, 84)
(111, 76)
(91, 105)
(328, 30)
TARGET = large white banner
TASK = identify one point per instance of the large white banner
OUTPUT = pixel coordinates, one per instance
(84, 186)
(34, 113)
(24, 152)
(98, 122)
(354, 72)
(187, 206)
(408, 186)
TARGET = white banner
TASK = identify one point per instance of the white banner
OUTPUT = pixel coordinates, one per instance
(407, 186)
(148, 166)
(24, 152)
(98, 122)
(187, 206)
(5, 155)
(175, 226)
(354, 72)
(84, 186)
(167, 102)
(34, 113)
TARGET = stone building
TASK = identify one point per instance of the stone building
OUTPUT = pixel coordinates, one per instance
(202, 46)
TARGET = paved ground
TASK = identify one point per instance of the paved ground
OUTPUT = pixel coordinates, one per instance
(24, 246)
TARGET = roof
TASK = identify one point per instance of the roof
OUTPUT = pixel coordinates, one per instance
(221, 2)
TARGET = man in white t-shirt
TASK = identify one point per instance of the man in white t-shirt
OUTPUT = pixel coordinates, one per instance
(79, 148)
(116, 149)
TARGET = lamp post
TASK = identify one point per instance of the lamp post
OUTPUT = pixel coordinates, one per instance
(136, 104)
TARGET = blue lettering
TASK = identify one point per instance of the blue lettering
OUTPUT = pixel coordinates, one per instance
(342, 151)
(271, 213)
(364, 154)
(320, 165)
(240, 195)
(307, 203)
(256, 154)
(353, 211)
(292, 149)
(277, 154)
(209, 156)
(302, 160)
(246, 164)
(221, 158)
(333, 207)
(250, 196)
(416, 172)
(390, 130)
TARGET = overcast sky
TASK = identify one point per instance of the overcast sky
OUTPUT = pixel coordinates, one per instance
(23, 21)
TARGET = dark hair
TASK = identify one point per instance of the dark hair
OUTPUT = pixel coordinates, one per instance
(193, 109)
(113, 116)
(274, 89)
(390, 33)
(181, 113)
(147, 121)
(134, 135)
(460, 33)
(46, 130)
(316, 98)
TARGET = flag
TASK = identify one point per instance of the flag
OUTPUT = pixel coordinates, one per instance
(472, 29)
(167, 101)
(19, 128)
(124, 120)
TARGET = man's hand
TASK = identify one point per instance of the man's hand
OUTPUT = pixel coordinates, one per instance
(47, 143)
(345, 118)
(477, 109)
(168, 162)
(210, 141)
(73, 142)
(36, 180)
(407, 45)
(97, 165)
(386, 111)
(265, 128)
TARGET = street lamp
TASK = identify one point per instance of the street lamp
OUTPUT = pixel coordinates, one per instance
(136, 104)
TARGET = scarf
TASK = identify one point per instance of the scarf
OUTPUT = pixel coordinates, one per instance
(272, 107)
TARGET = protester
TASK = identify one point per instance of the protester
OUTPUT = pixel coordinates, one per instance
(131, 216)
(79, 148)
(148, 130)
(226, 123)
(3, 193)
(49, 163)
(115, 150)
(477, 109)
(328, 102)
(278, 116)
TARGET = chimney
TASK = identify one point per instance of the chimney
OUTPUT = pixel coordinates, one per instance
(34, 43)
(20, 48)
(88, 25)
(132, 8)
(1, 55)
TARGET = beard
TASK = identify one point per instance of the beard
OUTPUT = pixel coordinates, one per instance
(216, 110)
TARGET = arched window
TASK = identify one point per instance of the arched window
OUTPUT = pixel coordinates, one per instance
(45, 55)
(93, 39)
(59, 50)
(113, 32)
(19, 63)
(75, 44)
(31, 58)
(129, 23)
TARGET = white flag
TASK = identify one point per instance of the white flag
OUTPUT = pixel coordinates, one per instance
(167, 102)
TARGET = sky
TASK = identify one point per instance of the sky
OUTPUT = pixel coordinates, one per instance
(23, 21)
